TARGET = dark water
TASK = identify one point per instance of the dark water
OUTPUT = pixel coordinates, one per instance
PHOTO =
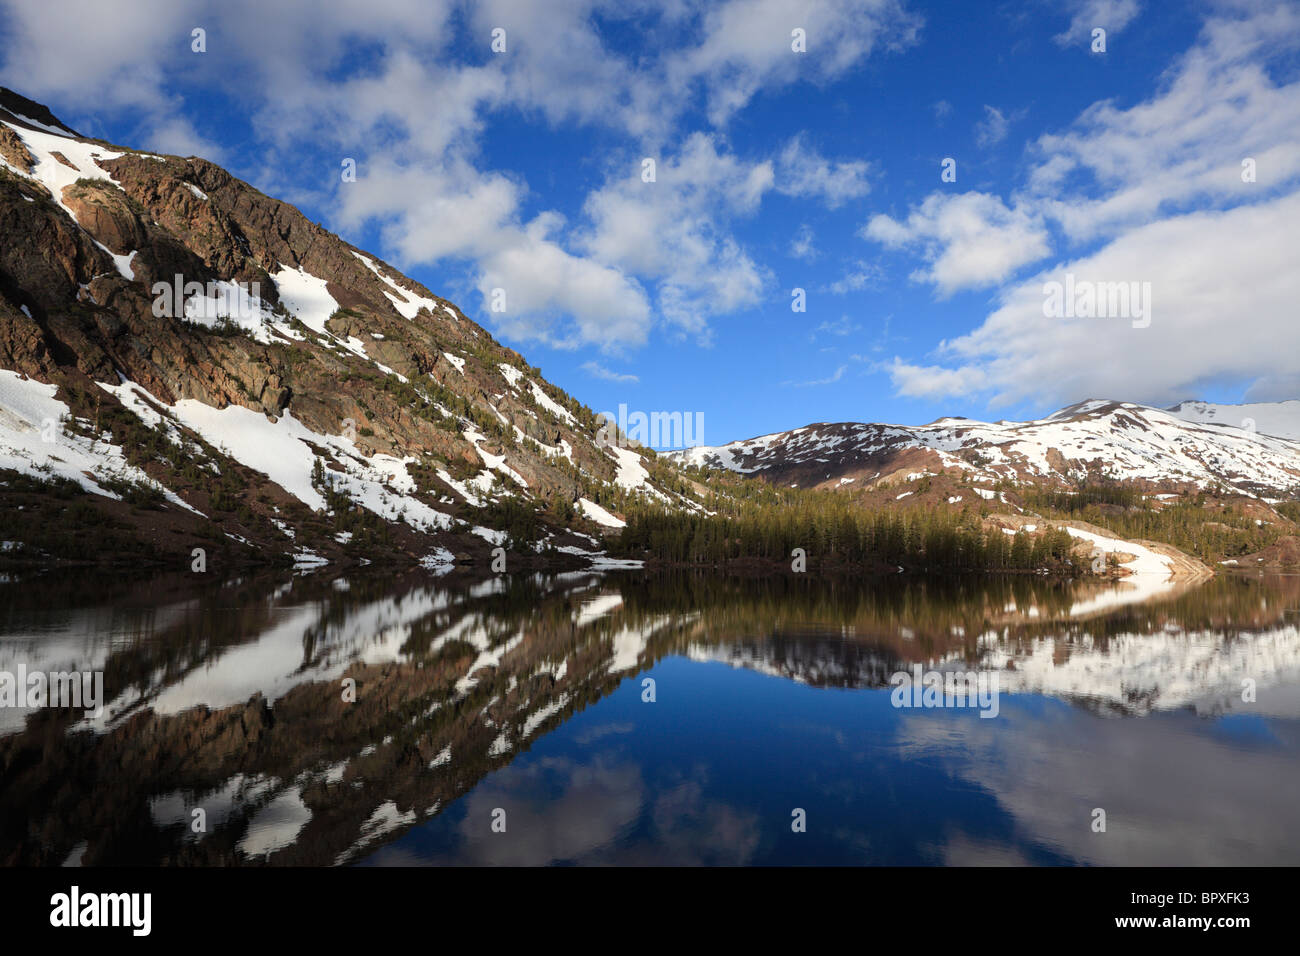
(509, 721)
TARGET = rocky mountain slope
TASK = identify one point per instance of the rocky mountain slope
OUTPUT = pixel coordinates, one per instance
(1192, 445)
(191, 370)
(186, 362)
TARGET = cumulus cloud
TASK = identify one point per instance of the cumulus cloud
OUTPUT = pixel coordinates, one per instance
(559, 65)
(177, 136)
(99, 65)
(934, 381)
(1223, 293)
(803, 172)
(673, 231)
(100, 60)
(548, 292)
(967, 240)
(1113, 169)
(542, 280)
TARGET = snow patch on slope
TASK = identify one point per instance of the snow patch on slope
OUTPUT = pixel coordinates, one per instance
(511, 374)
(282, 451)
(29, 413)
(599, 515)
(544, 400)
(305, 296)
(407, 303)
(54, 175)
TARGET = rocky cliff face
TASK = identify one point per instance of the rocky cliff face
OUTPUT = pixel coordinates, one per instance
(197, 363)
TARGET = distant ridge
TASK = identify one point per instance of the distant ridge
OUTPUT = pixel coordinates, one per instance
(1199, 444)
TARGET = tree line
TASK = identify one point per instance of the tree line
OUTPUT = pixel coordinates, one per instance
(832, 530)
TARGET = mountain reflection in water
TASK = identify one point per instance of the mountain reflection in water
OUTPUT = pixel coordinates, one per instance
(521, 700)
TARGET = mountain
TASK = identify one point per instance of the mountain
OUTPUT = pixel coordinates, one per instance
(191, 370)
(1094, 439)
(186, 362)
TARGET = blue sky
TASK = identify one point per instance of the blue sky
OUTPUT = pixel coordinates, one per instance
(775, 170)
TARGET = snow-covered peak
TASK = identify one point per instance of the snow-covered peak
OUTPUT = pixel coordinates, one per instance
(1121, 439)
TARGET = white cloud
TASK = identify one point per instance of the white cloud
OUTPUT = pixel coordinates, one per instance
(967, 240)
(431, 213)
(90, 53)
(803, 172)
(99, 61)
(557, 63)
(1110, 15)
(745, 46)
(862, 275)
(599, 371)
(934, 381)
(992, 129)
(457, 212)
(1116, 168)
(1224, 289)
(842, 326)
(178, 137)
(543, 281)
(801, 246)
(674, 231)
(829, 380)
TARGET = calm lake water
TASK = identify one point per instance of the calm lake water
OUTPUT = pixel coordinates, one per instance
(622, 719)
